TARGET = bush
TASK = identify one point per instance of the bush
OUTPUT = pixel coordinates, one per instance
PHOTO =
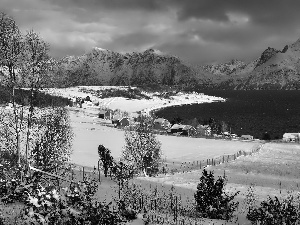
(211, 200)
(274, 211)
(53, 147)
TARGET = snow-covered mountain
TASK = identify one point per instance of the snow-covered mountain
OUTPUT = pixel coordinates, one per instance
(224, 68)
(273, 69)
(105, 67)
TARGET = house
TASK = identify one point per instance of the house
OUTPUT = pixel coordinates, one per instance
(124, 122)
(161, 123)
(176, 128)
(189, 130)
(108, 114)
(120, 121)
(247, 137)
(101, 114)
(204, 130)
(291, 137)
(116, 119)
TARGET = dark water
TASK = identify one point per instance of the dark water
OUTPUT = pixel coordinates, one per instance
(247, 112)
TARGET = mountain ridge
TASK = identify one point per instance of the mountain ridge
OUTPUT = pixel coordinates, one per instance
(273, 69)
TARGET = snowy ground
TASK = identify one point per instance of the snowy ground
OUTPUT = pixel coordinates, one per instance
(133, 105)
(89, 134)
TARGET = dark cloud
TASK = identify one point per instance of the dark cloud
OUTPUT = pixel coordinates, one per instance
(196, 30)
(132, 42)
(99, 5)
(272, 12)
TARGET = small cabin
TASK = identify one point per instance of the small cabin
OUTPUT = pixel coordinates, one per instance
(101, 114)
(247, 137)
(176, 128)
(189, 130)
(120, 121)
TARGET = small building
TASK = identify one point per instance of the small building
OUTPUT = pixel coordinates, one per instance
(116, 119)
(247, 137)
(108, 114)
(101, 114)
(124, 122)
(161, 123)
(204, 130)
(120, 121)
(176, 128)
(189, 130)
(291, 137)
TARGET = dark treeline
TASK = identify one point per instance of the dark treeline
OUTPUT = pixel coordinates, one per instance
(41, 99)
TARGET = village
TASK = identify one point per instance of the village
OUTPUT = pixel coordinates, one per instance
(127, 120)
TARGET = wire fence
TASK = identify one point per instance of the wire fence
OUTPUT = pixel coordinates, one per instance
(76, 173)
(175, 167)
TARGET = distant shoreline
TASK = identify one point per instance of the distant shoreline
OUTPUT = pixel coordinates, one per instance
(154, 111)
(132, 106)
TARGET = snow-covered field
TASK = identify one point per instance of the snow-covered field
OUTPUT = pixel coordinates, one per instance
(89, 134)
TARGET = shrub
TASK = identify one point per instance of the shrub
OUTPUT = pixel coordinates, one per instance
(211, 200)
(53, 147)
(274, 211)
(106, 158)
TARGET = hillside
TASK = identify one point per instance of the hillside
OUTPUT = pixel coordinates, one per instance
(273, 69)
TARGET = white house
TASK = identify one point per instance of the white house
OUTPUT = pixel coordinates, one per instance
(291, 137)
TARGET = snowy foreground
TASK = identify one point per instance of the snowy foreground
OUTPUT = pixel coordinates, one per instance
(133, 105)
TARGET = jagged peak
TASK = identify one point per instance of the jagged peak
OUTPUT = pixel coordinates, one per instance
(154, 51)
(296, 45)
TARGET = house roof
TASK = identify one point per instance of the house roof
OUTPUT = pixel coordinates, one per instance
(203, 126)
(291, 135)
(159, 120)
(246, 136)
(176, 126)
(102, 111)
(188, 127)
(117, 118)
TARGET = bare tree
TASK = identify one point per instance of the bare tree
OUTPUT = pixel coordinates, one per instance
(11, 47)
(34, 70)
(142, 149)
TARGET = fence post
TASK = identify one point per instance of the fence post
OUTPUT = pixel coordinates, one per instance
(175, 209)
(223, 159)
(83, 173)
(200, 165)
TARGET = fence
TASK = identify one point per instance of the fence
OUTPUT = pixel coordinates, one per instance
(76, 173)
(174, 167)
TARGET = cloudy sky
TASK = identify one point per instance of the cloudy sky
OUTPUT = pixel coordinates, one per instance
(199, 31)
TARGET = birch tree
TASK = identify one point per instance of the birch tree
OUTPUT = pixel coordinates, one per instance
(11, 48)
(34, 70)
(142, 148)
